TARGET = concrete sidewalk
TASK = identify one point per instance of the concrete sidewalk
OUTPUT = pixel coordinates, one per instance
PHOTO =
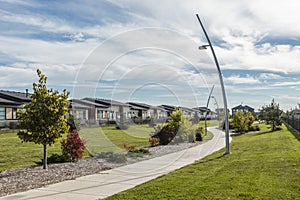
(112, 181)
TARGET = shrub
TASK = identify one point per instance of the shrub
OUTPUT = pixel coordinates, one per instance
(199, 133)
(73, 147)
(130, 147)
(139, 151)
(165, 135)
(73, 123)
(185, 130)
(254, 128)
(154, 141)
(177, 129)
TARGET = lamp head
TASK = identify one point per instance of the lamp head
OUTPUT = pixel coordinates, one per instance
(203, 47)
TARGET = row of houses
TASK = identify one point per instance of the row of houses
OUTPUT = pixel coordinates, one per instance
(96, 110)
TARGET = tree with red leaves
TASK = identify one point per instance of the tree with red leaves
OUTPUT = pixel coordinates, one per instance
(73, 147)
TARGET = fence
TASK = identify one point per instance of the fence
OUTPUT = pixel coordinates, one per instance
(293, 121)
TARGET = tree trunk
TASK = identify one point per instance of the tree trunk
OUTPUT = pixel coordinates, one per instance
(45, 156)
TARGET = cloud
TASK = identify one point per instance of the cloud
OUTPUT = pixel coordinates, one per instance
(62, 42)
(288, 83)
(237, 79)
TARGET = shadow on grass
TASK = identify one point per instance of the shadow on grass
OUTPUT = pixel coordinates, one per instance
(268, 131)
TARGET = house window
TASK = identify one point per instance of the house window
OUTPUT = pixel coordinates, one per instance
(11, 113)
(14, 114)
(2, 113)
(81, 114)
(99, 114)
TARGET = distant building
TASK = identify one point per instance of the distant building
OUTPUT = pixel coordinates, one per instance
(243, 108)
(202, 112)
(10, 103)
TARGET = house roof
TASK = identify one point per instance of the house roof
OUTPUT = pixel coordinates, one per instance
(88, 103)
(18, 97)
(202, 109)
(188, 109)
(78, 105)
(139, 106)
(168, 107)
(241, 107)
(107, 102)
(4, 101)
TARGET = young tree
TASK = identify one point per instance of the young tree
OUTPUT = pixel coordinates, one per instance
(242, 121)
(271, 115)
(43, 119)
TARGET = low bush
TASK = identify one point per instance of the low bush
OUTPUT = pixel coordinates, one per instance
(165, 135)
(130, 147)
(254, 128)
(199, 133)
(72, 147)
(154, 141)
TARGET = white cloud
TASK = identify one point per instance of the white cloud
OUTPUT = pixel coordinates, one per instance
(242, 33)
(288, 83)
(237, 79)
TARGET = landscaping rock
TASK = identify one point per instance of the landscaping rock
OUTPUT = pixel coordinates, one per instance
(22, 179)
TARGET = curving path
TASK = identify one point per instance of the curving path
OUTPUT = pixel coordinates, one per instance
(119, 179)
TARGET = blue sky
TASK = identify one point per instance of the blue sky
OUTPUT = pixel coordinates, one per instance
(146, 51)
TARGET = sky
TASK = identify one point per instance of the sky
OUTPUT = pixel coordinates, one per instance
(147, 51)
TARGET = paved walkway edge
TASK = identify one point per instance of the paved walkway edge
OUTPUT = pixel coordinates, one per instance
(113, 181)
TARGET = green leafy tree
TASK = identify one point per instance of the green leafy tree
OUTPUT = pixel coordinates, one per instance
(181, 126)
(176, 119)
(242, 121)
(178, 128)
(271, 115)
(43, 120)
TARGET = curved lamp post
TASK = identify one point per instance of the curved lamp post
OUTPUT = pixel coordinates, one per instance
(209, 96)
(216, 103)
(222, 84)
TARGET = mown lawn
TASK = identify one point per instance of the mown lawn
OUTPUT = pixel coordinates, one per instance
(110, 139)
(261, 165)
(15, 154)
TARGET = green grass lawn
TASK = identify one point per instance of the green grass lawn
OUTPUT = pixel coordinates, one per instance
(261, 165)
(106, 139)
(15, 154)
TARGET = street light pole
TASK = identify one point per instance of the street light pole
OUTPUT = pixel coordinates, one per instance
(209, 96)
(222, 85)
(218, 111)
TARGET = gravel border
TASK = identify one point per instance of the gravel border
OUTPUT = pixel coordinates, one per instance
(23, 179)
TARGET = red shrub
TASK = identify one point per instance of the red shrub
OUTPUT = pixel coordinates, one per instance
(73, 147)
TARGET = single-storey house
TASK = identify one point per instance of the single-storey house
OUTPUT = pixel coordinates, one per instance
(88, 112)
(139, 112)
(115, 111)
(10, 103)
(243, 108)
